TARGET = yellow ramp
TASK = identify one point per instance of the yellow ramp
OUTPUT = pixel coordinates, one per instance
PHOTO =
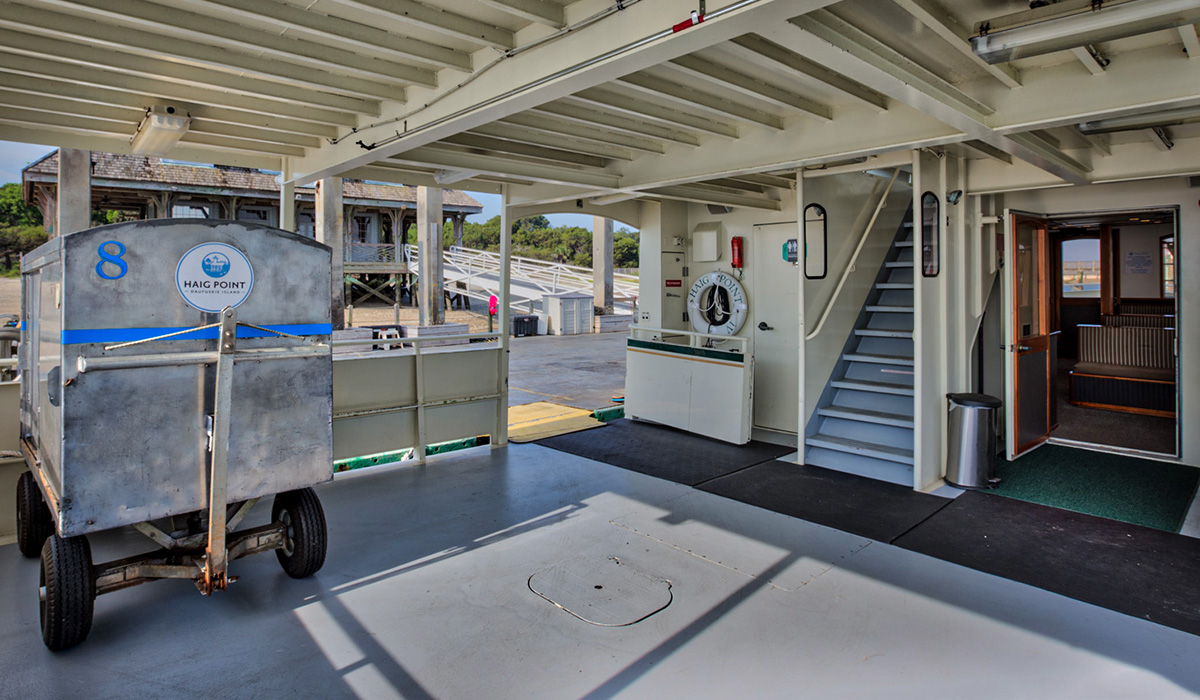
(542, 419)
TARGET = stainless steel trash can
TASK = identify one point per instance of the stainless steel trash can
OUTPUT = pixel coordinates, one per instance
(973, 432)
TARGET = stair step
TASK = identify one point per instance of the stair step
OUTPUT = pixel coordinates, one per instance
(858, 447)
(894, 285)
(890, 309)
(903, 244)
(863, 415)
(899, 263)
(877, 387)
(873, 333)
(879, 359)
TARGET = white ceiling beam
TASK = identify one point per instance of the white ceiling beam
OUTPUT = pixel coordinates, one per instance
(588, 133)
(168, 91)
(41, 88)
(505, 167)
(1160, 138)
(537, 137)
(1098, 143)
(946, 26)
(707, 102)
(352, 35)
(523, 149)
(435, 19)
(640, 109)
(623, 43)
(987, 151)
(539, 11)
(156, 47)
(415, 177)
(95, 57)
(616, 122)
(606, 200)
(734, 81)
(1191, 43)
(449, 177)
(822, 36)
(854, 134)
(236, 144)
(766, 180)
(153, 17)
(120, 144)
(688, 193)
(804, 67)
(1088, 59)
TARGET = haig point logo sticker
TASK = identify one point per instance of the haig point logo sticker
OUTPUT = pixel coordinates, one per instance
(212, 276)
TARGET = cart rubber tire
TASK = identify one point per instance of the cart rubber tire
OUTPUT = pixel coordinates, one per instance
(34, 523)
(68, 591)
(303, 551)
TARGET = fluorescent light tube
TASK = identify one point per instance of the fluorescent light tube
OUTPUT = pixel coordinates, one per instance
(1088, 26)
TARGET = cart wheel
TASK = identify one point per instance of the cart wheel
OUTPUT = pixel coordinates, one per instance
(303, 550)
(34, 523)
(67, 591)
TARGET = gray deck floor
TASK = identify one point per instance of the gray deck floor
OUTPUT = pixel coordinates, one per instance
(426, 594)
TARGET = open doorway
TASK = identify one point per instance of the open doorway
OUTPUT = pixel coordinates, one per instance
(1113, 305)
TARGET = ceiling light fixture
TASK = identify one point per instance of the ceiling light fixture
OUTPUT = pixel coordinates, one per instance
(1073, 23)
(159, 131)
(1137, 122)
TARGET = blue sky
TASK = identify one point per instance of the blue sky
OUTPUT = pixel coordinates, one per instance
(14, 156)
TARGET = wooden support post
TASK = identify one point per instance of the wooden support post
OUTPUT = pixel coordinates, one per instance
(330, 225)
(74, 210)
(429, 256)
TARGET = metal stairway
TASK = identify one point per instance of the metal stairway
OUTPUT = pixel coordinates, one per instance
(864, 423)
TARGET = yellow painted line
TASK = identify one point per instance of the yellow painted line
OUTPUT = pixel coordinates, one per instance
(690, 358)
(542, 419)
(527, 391)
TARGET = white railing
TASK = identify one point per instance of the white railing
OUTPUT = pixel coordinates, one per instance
(479, 271)
(370, 252)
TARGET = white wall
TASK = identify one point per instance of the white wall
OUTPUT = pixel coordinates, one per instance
(1142, 241)
(1168, 192)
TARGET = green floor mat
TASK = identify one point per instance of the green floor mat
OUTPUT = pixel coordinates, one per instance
(1132, 490)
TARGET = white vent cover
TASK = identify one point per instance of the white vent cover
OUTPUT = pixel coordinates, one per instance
(706, 241)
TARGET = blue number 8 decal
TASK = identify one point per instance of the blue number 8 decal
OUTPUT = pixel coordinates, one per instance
(106, 257)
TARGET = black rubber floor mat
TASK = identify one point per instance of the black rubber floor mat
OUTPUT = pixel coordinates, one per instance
(851, 503)
(664, 452)
(1131, 569)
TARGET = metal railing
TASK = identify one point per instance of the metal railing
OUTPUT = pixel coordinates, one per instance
(479, 271)
(691, 339)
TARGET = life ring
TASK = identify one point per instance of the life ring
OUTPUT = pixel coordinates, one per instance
(717, 304)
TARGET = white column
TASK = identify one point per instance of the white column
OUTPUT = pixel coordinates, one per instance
(602, 265)
(287, 198)
(74, 191)
(802, 342)
(429, 256)
(330, 226)
(503, 316)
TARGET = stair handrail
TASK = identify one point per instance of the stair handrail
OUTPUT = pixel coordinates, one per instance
(862, 240)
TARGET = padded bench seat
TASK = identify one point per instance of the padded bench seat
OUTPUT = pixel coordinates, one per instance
(1125, 369)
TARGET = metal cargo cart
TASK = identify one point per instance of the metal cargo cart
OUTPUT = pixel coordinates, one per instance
(173, 373)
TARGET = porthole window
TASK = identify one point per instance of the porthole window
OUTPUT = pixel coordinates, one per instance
(930, 235)
(816, 254)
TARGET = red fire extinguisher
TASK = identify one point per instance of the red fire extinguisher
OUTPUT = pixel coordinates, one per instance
(736, 243)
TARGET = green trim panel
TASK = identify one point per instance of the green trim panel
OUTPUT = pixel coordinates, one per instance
(686, 350)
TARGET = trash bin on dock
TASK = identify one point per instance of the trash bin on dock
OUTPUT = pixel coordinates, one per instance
(973, 435)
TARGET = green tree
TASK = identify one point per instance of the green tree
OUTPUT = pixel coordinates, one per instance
(13, 209)
(625, 252)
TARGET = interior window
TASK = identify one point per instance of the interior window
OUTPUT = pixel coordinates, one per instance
(1168, 267)
(1081, 268)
